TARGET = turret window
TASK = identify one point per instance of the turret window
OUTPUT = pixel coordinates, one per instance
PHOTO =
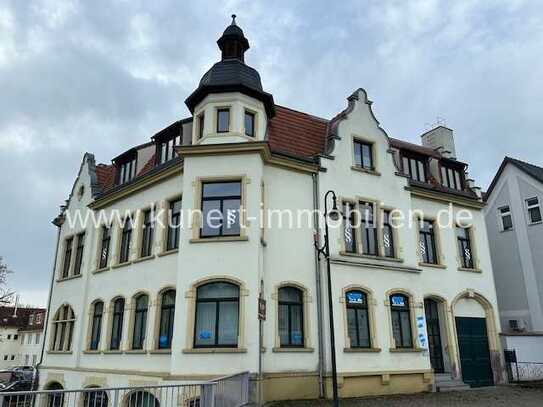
(223, 120)
(249, 124)
(201, 120)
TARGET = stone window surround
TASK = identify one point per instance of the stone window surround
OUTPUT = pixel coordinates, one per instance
(244, 180)
(90, 314)
(190, 296)
(374, 157)
(307, 300)
(378, 209)
(74, 236)
(471, 230)
(413, 306)
(437, 241)
(372, 304)
(56, 320)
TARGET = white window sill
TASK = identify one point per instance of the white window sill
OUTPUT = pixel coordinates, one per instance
(215, 350)
(219, 239)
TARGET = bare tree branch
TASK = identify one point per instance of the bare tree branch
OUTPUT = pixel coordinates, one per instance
(6, 295)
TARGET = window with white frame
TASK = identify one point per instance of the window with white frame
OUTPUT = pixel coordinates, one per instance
(534, 210)
(506, 218)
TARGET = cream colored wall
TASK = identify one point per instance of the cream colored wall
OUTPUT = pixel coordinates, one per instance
(237, 103)
(9, 347)
(383, 276)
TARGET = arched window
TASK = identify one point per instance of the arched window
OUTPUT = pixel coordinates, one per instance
(167, 313)
(63, 327)
(55, 399)
(117, 324)
(358, 322)
(96, 326)
(95, 398)
(401, 321)
(291, 317)
(140, 321)
(217, 315)
(142, 398)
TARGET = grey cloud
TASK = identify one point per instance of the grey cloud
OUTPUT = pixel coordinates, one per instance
(102, 76)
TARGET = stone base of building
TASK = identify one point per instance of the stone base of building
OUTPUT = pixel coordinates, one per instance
(305, 386)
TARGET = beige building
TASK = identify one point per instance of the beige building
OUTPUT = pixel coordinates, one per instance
(137, 299)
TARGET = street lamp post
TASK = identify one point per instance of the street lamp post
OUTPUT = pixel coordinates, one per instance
(324, 250)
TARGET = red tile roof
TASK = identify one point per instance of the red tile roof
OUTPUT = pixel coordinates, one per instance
(149, 165)
(21, 318)
(296, 133)
(105, 175)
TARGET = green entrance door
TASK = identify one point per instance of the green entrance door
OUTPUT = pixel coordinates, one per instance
(474, 353)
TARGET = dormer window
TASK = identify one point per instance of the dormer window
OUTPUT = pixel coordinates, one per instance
(126, 170)
(249, 124)
(223, 120)
(452, 177)
(165, 148)
(415, 167)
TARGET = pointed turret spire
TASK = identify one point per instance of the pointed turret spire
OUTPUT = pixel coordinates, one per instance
(233, 43)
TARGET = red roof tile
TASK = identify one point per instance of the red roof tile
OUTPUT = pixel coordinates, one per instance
(296, 133)
(20, 319)
(105, 175)
(149, 165)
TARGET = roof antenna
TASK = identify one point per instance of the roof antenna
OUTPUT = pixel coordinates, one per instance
(233, 19)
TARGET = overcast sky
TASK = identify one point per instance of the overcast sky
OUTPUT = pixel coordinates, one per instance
(97, 76)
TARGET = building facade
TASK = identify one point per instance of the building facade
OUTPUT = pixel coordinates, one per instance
(515, 227)
(21, 336)
(137, 299)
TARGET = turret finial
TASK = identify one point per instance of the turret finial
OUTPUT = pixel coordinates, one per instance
(233, 19)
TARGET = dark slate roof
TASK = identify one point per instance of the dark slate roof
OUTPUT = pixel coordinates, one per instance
(231, 75)
(21, 320)
(532, 170)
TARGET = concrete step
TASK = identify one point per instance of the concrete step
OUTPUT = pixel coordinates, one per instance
(445, 383)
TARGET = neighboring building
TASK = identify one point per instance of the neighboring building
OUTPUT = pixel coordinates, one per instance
(21, 334)
(146, 303)
(515, 227)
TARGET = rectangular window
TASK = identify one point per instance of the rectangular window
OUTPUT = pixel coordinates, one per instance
(201, 121)
(368, 229)
(427, 242)
(506, 218)
(534, 211)
(249, 124)
(15, 337)
(147, 234)
(79, 253)
(415, 168)
(9, 336)
(104, 246)
(363, 155)
(37, 338)
(401, 321)
(223, 120)
(451, 178)
(349, 232)
(30, 319)
(126, 237)
(127, 171)
(221, 202)
(388, 235)
(463, 236)
(67, 257)
(174, 224)
(165, 149)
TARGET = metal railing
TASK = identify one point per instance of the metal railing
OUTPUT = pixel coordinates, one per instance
(229, 391)
(522, 371)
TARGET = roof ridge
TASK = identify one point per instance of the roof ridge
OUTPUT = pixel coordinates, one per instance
(523, 162)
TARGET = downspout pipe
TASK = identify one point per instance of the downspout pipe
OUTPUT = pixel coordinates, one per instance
(316, 218)
(58, 224)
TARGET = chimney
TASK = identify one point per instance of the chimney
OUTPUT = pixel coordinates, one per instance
(440, 138)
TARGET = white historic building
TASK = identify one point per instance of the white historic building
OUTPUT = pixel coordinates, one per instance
(146, 302)
(21, 336)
